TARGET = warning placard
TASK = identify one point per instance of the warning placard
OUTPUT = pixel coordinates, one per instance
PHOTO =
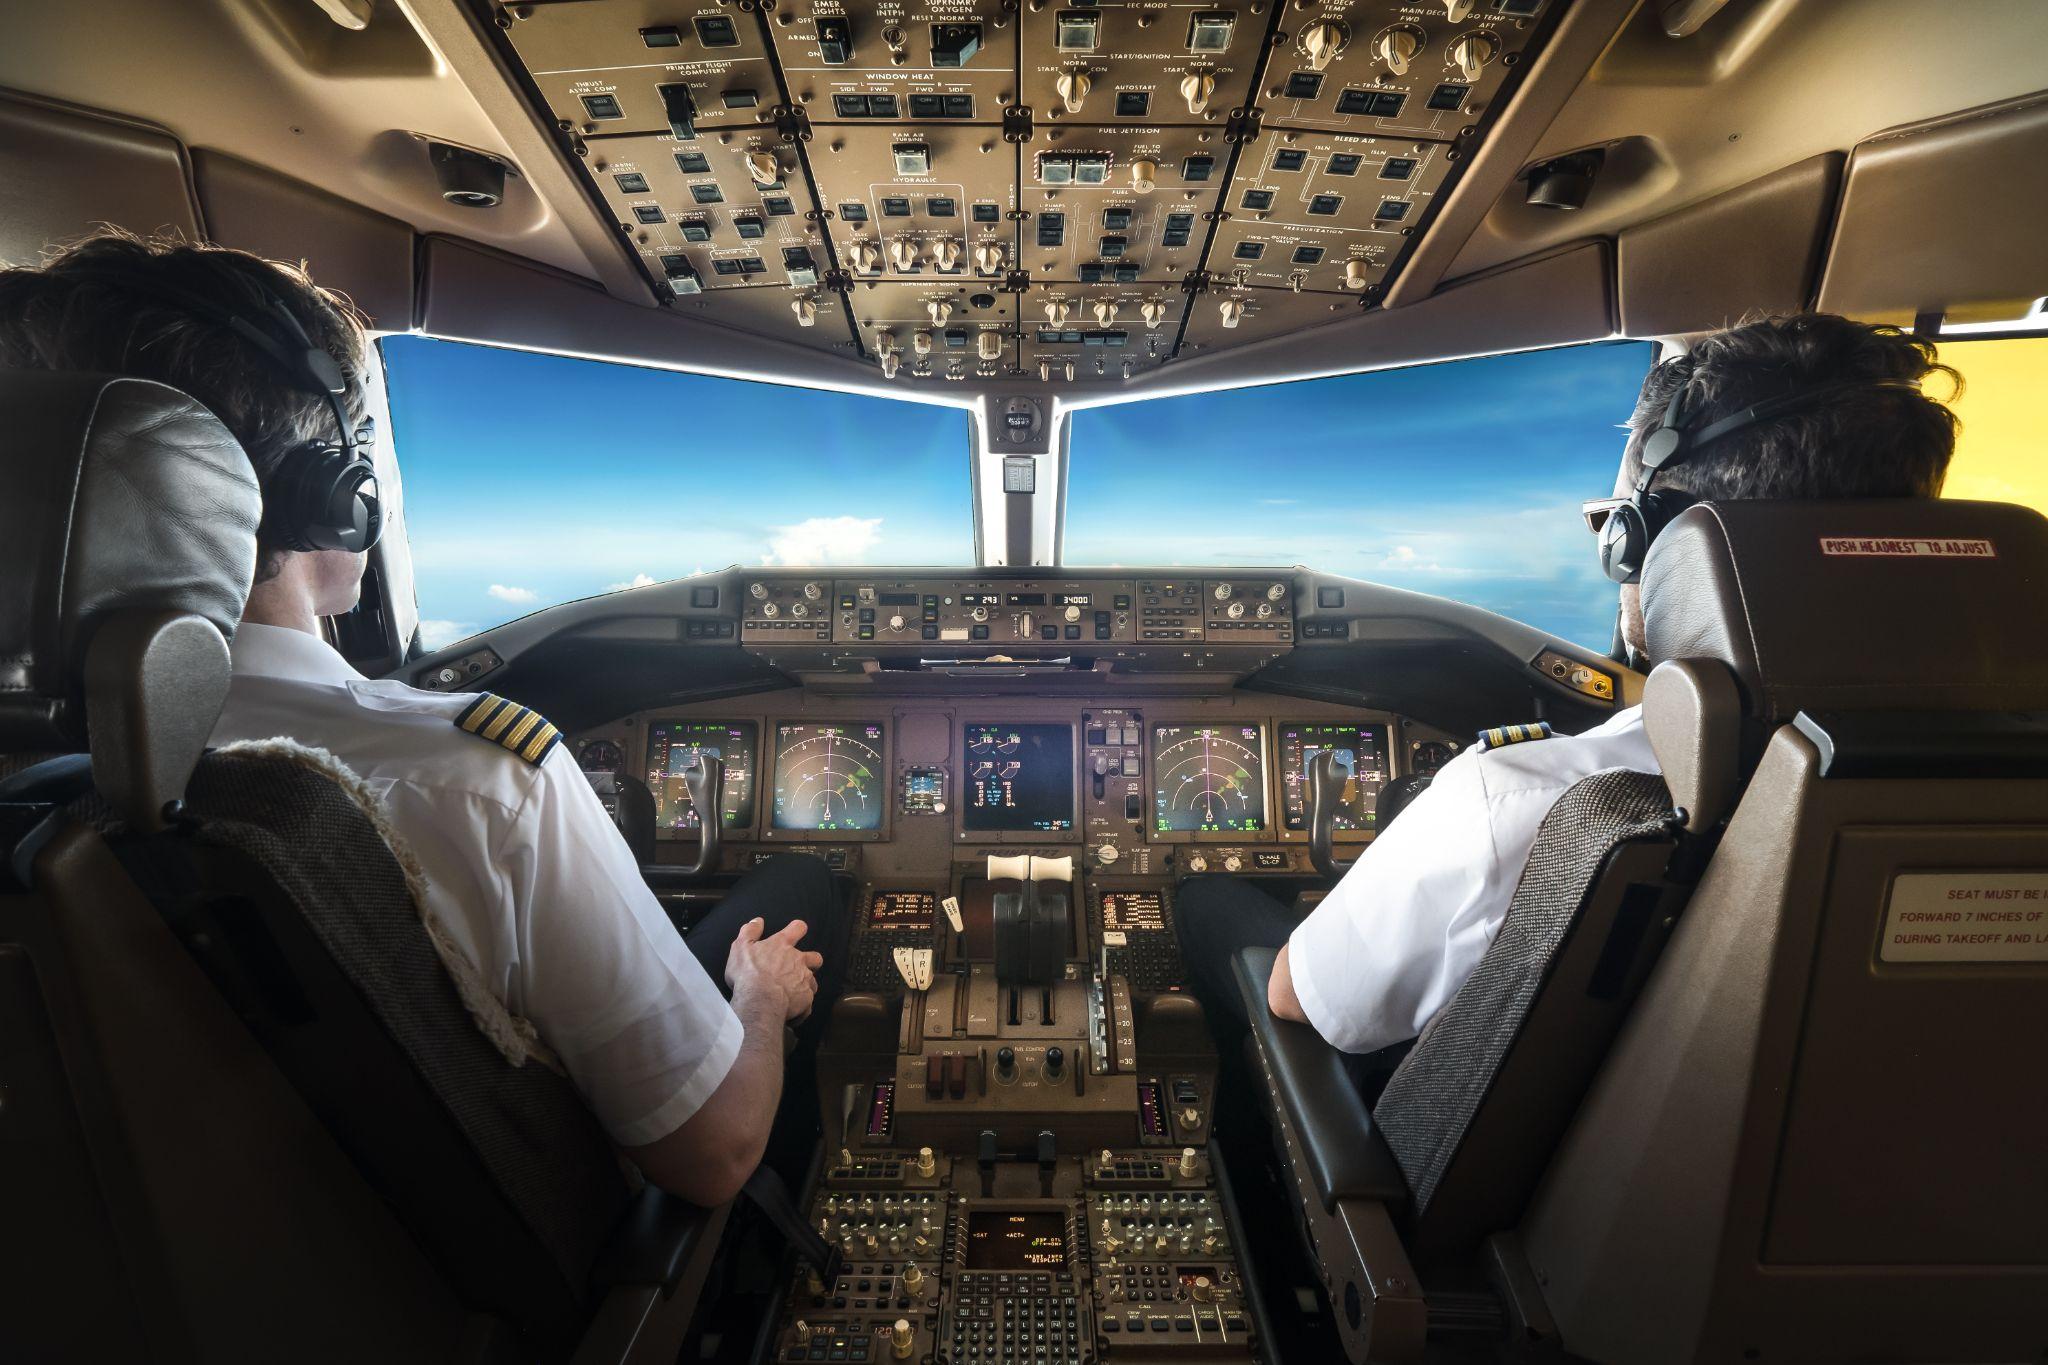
(1906, 547)
(1967, 917)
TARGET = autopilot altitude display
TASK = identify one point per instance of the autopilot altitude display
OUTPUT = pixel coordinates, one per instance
(1361, 757)
(1019, 777)
(1208, 779)
(829, 777)
(672, 750)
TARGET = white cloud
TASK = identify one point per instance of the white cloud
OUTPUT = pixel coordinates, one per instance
(505, 594)
(823, 540)
(438, 634)
(638, 580)
(1278, 502)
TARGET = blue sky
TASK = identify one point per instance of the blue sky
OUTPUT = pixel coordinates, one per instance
(533, 479)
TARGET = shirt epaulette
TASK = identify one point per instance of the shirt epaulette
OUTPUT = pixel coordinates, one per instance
(1500, 736)
(519, 729)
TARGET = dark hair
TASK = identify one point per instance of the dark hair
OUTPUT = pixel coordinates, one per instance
(77, 312)
(1859, 443)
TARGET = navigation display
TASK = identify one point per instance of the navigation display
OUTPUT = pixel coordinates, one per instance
(829, 777)
(1019, 777)
(1362, 758)
(672, 749)
(1208, 779)
(1034, 1240)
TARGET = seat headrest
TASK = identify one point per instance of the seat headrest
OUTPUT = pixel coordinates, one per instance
(1859, 605)
(127, 543)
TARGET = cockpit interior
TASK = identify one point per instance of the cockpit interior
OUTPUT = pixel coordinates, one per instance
(1019, 458)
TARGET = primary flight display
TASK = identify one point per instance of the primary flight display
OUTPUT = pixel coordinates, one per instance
(829, 777)
(672, 750)
(1361, 752)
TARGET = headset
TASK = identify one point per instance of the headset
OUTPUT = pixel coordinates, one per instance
(1629, 529)
(321, 495)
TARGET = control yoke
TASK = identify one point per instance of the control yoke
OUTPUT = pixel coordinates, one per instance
(703, 780)
(1325, 795)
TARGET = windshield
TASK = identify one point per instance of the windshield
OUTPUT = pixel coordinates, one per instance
(1462, 479)
(535, 479)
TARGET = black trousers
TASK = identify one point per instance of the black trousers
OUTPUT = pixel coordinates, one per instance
(1215, 917)
(789, 886)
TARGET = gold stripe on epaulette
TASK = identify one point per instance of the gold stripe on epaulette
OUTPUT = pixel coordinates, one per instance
(517, 729)
(1499, 736)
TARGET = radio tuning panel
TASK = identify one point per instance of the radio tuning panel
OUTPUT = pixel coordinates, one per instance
(1261, 169)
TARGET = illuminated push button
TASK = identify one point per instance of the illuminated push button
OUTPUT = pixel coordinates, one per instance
(1472, 52)
(1322, 41)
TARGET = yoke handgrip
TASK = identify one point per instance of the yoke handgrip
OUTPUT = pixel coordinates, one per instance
(1325, 795)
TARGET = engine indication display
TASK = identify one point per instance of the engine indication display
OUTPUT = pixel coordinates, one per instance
(672, 750)
(1361, 756)
(829, 777)
(1019, 777)
(1208, 779)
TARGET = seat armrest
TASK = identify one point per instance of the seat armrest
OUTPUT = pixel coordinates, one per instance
(1313, 1086)
(653, 1241)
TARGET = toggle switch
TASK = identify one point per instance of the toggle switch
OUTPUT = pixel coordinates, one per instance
(680, 109)
(835, 41)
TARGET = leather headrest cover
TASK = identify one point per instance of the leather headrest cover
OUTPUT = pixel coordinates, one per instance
(1867, 604)
(122, 495)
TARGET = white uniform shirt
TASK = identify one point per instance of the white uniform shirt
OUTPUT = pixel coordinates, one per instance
(1393, 941)
(524, 869)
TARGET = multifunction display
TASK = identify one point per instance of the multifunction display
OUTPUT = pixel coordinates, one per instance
(1032, 1240)
(1208, 779)
(672, 750)
(1019, 778)
(829, 777)
(1361, 756)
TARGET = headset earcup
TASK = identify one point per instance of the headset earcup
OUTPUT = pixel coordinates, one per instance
(323, 499)
(1624, 542)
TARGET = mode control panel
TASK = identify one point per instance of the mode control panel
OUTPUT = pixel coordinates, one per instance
(1222, 611)
(1063, 613)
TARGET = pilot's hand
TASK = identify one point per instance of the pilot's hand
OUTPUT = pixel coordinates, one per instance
(774, 968)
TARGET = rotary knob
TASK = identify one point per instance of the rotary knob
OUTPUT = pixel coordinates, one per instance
(1265, 610)
(1223, 592)
(1107, 854)
(902, 1341)
(1275, 591)
(913, 1277)
(896, 622)
(903, 255)
(1153, 311)
(1073, 87)
(1472, 52)
(1456, 10)
(866, 257)
(1233, 863)
(988, 258)
(765, 169)
(1057, 311)
(1357, 273)
(1196, 88)
(921, 343)
(1187, 1167)
(813, 591)
(1027, 626)
(946, 256)
(806, 310)
(1397, 47)
(1105, 312)
(1144, 176)
(1072, 614)
(799, 609)
(1322, 41)
(885, 342)
(978, 613)
(1234, 610)
(927, 1163)
(1202, 1290)
(939, 310)
(891, 362)
(1198, 863)
(1232, 310)
(770, 610)
(989, 345)
(757, 591)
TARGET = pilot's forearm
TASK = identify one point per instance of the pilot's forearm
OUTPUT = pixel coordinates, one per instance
(1280, 996)
(717, 1148)
(756, 1074)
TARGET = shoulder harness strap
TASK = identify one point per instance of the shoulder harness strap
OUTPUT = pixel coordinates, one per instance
(518, 729)
(1500, 736)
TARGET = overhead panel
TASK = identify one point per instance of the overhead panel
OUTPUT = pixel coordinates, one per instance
(1327, 212)
(953, 61)
(645, 66)
(990, 188)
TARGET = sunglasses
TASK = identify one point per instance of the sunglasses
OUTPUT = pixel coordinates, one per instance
(1596, 511)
